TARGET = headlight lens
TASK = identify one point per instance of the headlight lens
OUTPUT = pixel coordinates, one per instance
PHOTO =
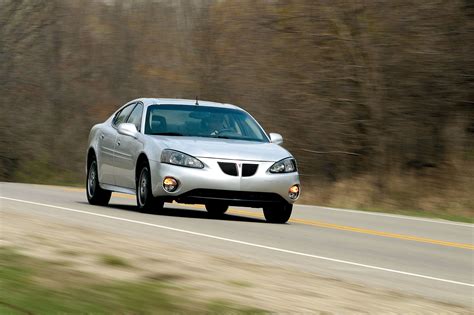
(287, 165)
(180, 158)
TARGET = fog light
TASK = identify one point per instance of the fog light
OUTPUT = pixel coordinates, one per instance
(294, 192)
(170, 184)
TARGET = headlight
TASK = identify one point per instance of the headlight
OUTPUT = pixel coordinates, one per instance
(287, 165)
(180, 158)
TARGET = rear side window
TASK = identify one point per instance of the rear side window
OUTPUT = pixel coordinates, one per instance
(121, 116)
(136, 116)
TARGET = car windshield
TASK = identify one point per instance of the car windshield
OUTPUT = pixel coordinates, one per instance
(202, 121)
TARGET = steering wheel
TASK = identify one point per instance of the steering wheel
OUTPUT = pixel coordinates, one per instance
(221, 131)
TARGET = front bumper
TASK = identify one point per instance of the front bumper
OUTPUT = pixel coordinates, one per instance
(211, 183)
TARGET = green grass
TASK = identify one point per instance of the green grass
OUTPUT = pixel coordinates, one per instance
(111, 260)
(30, 285)
(40, 171)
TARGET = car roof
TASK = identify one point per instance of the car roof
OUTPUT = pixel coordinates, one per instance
(181, 101)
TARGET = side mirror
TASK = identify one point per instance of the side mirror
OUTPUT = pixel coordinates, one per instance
(128, 130)
(276, 138)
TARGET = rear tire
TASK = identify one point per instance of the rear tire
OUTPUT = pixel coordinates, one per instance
(95, 194)
(146, 202)
(280, 213)
(216, 209)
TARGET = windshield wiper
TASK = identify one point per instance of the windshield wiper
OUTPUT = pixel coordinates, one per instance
(167, 134)
(236, 138)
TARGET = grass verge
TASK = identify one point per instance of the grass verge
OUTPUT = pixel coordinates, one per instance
(33, 286)
(115, 261)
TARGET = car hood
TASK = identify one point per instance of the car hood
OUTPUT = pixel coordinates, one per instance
(224, 148)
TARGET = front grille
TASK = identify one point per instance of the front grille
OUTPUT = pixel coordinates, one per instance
(249, 169)
(228, 168)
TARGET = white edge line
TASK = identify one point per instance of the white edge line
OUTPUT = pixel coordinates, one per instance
(242, 242)
(397, 216)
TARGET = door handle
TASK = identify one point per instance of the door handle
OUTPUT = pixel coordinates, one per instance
(102, 137)
(118, 142)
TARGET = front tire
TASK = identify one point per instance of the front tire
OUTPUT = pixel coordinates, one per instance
(95, 194)
(280, 213)
(145, 200)
(216, 209)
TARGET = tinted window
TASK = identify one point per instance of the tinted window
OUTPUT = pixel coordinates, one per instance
(202, 121)
(136, 116)
(121, 116)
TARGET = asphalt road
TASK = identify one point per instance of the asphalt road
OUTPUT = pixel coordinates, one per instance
(427, 257)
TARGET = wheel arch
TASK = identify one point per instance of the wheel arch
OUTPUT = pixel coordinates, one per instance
(90, 155)
(142, 157)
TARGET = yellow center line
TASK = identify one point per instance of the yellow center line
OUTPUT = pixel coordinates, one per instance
(326, 225)
(71, 189)
(365, 231)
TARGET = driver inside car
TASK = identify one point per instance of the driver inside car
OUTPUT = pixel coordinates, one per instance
(213, 124)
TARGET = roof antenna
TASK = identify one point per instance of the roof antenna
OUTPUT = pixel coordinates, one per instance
(197, 102)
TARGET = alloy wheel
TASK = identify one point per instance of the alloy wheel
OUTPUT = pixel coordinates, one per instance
(91, 180)
(143, 187)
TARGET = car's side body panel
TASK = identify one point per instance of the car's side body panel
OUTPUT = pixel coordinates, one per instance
(126, 156)
(118, 189)
(107, 137)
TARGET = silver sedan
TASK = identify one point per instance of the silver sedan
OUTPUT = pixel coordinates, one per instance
(193, 152)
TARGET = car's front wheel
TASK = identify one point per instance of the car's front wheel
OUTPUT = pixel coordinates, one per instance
(95, 194)
(216, 209)
(145, 200)
(278, 213)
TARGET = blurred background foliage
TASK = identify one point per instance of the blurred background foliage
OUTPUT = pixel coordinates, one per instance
(374, 98)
